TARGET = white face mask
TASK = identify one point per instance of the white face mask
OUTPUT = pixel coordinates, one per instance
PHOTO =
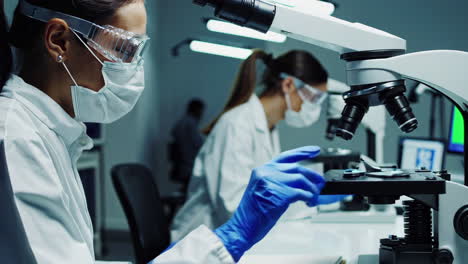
(309, 114)
(124, 83)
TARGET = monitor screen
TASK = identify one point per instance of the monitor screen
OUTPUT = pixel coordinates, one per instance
(457, 135)
(417, 153)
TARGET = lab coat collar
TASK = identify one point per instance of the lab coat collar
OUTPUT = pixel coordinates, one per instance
(258, 114)
(45, 109)
(271, 138)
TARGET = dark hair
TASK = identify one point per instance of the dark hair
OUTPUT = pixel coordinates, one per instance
(26, 32)
(5, 52)
(195, 106)
(298, 63)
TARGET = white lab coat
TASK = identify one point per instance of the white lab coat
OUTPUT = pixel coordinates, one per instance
(42, 144)
(201, 246)
(240, 142)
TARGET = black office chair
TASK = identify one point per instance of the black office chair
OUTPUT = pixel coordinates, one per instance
(144, 209)
(14, 244)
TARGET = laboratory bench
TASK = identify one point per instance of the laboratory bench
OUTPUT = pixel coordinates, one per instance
(304, 241)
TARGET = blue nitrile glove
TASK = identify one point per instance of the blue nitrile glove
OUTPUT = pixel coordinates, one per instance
(272, 188)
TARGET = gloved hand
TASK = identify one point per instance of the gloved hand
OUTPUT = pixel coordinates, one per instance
(272, 188)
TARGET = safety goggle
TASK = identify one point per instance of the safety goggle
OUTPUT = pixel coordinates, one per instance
(113, 43)
(307, 92)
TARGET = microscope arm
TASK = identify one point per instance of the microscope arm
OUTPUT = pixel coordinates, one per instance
(305, 24)
(442, 70)
(332, 33)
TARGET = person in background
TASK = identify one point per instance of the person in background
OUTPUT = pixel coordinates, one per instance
(69, 76)
(245, 136)
(187, 141)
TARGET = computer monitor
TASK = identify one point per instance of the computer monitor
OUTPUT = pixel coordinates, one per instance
(417, 153)
(457, 132)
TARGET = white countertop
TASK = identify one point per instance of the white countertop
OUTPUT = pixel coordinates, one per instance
(302, 239)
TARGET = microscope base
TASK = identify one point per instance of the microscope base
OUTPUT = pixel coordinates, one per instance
(374, 259)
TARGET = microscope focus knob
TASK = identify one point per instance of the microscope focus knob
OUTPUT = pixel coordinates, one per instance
(444, 256)
(460, 222)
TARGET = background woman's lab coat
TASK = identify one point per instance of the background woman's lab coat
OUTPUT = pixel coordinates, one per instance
(240, 142)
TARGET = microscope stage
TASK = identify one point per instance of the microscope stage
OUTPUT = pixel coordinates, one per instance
(384, 183)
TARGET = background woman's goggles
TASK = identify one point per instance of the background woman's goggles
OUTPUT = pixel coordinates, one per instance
(307, 92)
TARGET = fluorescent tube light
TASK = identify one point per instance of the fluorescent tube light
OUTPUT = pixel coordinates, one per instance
(221, 50)
(232, 29)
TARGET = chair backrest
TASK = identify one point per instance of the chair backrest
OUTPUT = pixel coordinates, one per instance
(14, 244)
(143, 207)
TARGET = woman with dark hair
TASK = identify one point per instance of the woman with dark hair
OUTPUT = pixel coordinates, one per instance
(82, 63)
(244, 135)
(68, 76)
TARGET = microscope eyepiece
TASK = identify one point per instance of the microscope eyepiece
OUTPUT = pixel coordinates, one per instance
(390, 94)
(399, 108)
(351, 117)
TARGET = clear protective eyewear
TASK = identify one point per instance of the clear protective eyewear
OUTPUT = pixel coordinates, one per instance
(307, 92)
(113, 43)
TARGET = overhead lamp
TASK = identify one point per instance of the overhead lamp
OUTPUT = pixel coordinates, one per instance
(232, 29)
(219, 49)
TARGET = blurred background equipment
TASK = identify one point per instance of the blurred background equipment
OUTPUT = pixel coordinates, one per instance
(421, 153)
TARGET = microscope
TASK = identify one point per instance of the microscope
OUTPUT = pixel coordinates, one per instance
(377, 65)
(374, 121)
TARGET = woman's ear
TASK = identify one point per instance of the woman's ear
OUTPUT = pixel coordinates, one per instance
(287, 85)
(57, 38)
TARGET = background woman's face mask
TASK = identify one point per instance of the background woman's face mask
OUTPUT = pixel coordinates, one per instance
(312, 98)
(308, 115)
